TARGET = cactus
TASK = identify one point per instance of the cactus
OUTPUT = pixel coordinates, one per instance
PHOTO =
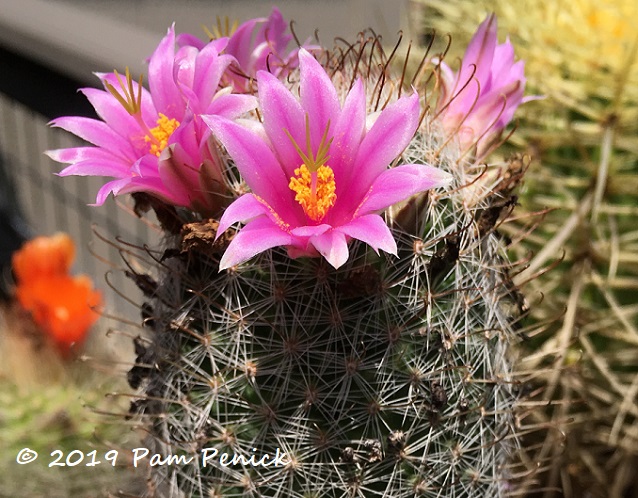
(284, 359)
(583, 136)
(385, 377)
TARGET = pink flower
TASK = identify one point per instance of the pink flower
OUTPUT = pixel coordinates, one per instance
(318, 176)
(480, 100)
(259, 44)
(154, 141)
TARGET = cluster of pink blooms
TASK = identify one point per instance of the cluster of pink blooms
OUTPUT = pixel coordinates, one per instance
(318, 165)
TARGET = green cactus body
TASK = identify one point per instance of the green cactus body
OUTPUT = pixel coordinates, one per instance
(389, 377)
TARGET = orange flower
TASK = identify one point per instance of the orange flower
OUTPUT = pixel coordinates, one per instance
(62, 305)
(44, 256)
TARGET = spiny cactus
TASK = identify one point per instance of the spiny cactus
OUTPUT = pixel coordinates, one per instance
(328, 368)
(385, 377)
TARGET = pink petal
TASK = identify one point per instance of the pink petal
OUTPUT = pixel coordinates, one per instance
(220, 44)
(188, 140)
(258, 236)
(152, 186)
(186, 39)
(232, 105)
(254, 126)
(282, 111)
(372, 230)
(184, 71)
(240, 43)
(333, 246)
(112, 112)
(273, 31)
(310, 231)
(348, 132)
(480, 52)
(258, 166)
(513, 98)
(114, 115)
(389, 136)
(166, 95)
(146, 166)
(244, 209)
(448, 82)
(209, 68)
(77, 154)
(96, 168)
(93, 131)
(401, 183)
(174, 173)
(318, 96)
(503, 59)
(107, 188)
(495, 110)
(263, 59)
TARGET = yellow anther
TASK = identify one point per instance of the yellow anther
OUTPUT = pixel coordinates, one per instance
(160, 134)
(315, 190)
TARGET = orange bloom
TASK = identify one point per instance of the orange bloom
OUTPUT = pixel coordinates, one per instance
(62, 305)
(44, 256)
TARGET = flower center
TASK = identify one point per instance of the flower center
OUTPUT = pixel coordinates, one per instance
(315, 190)
(132, 102)
(314, 182)
(159, 135)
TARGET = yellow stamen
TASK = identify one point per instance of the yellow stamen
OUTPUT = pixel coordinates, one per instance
(160, 134)
(221, 30)
(131, 102)
(315, 190)
(314, 181)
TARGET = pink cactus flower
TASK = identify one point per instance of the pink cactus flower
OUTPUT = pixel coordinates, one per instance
(318, 175)
(259, 44)
(480, 100)
(155, 141)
